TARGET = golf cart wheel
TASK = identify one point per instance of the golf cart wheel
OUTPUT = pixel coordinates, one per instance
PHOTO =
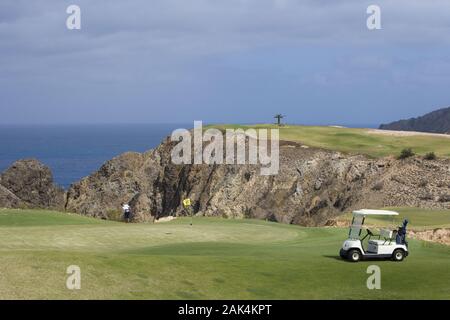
(398, 255)
(354, 255)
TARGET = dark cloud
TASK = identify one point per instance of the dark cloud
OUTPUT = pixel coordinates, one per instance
(234, 60)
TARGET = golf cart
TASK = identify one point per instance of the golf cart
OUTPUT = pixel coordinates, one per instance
(387, 244)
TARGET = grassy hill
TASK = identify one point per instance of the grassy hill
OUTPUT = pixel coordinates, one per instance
(360, 141)
(214, 259)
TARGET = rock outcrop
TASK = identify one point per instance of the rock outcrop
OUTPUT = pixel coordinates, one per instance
(29, 183)
(312, 186)
(129, 177)
(439, 235)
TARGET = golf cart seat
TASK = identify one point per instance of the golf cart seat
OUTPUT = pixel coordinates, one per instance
(376, 242)
(386, 236)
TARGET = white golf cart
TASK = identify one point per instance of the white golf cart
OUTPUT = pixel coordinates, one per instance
(388, 244)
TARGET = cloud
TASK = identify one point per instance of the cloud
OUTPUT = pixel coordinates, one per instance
(149, 52)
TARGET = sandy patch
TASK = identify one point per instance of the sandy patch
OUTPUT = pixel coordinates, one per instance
(165, 219)
(407, 133)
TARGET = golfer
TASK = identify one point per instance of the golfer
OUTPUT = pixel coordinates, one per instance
(126, 212)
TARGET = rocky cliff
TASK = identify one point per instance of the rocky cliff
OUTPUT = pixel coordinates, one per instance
(436, 122)
(312, 186)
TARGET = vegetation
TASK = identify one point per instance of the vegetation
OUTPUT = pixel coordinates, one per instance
(430, 156)
(357, 141)
(406, 153)
(213, 259)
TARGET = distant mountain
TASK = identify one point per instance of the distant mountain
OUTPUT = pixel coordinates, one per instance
(436, 122)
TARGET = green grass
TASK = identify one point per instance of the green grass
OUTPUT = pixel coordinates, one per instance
(419, 219)
(358, 141)
(12, 218)
(214, 259)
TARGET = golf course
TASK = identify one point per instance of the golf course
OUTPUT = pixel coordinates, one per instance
(374, 143)
(213, 259)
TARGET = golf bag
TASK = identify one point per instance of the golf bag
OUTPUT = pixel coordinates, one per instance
(401, 234)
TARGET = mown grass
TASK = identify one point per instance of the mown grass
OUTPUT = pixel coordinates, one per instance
(357, 141)
(213, 259)
(9, 217)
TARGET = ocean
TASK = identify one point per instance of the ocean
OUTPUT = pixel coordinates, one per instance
(75, 151)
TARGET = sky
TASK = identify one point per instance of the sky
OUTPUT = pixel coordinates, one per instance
(222, 61)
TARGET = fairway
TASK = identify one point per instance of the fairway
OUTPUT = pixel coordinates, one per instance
(358, 141)
(213, 259)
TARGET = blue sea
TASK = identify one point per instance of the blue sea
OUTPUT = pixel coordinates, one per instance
(75, 151)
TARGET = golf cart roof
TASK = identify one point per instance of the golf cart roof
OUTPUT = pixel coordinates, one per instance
(370, 212)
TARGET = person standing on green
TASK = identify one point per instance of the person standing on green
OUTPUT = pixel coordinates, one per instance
(126, 212)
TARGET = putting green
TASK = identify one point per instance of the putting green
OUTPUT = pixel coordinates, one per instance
(214, 259)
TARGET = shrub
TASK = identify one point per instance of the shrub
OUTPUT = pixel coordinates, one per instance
(406, 153)
(430, 156)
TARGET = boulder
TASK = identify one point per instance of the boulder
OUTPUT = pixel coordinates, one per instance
(32, 182)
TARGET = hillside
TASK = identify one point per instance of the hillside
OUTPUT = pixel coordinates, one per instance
(214, 259)
(436, 122)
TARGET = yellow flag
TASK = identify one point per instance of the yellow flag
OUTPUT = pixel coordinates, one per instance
(187, 202)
